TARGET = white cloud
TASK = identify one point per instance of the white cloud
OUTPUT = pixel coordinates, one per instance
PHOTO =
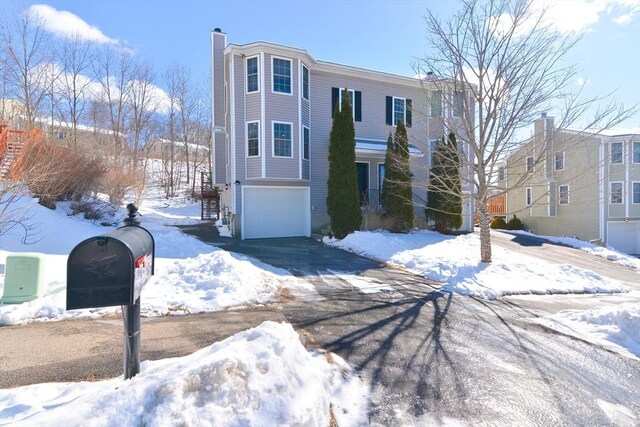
(64, 23)
(582, 81)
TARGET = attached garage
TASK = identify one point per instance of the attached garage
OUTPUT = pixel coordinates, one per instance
(624, 236)
(275, 212)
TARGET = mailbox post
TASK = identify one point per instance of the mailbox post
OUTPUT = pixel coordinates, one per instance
(111, 270)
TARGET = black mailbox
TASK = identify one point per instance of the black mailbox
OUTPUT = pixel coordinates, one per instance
(110, 269)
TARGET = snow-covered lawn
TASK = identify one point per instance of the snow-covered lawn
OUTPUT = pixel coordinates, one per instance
(261, 377)
(615, 328)
(191, 277)
(455, 261)
(608, 252)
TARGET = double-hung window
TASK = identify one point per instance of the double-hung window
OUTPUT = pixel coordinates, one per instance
(616, 152)
(615, 193)
(529, 164)
(458, 104)
(529, 196)
(559, 161)
(282, 139)
(352, 96)
(305, 142)
(436, 103)
(281, 71)
(253, 139)
(501, 173)
(636, 193)
(253, 84)
(305, 82)
(399, 109)
(636, 152)
(563, 195)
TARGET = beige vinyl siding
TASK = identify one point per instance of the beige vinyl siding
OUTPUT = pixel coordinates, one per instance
(282, 108)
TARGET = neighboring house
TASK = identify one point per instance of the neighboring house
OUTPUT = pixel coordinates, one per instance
(578, 184)
(272, 116)
(160, 148)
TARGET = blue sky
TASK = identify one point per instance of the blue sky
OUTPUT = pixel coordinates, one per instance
(381, 35)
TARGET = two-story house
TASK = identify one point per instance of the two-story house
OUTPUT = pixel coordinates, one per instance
(272, 116)
(578, 184)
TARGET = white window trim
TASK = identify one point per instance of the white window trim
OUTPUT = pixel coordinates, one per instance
(246, 138)
(526, 165)
(621, 162)
(304, 67)
(309, 132)
(352, 98)
(528, 196)
(611, 192)
(380, 181)
(273, 139)
(246, 78)
(394, 123)
(632, 192)
(290, 93)
(555, 161)
(568, 194)
(632, 152)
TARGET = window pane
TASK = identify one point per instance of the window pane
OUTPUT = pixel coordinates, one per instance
(252, 139)
(306, 144)
(398, 110)
(564, 194)
(636, 152)
(529, 164)
(436, 103)
(351, 100)
(560, 161)
(529, 196)
(636, 192)
(252, 74)
(501, 173)
(616, 152)
(281, 75)
(281, 140)
(616, 193)
(458, 104)
(305, 82)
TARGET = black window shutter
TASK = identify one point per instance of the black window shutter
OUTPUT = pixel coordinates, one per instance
(389, 110)
(408, 113)
(335, 94)
(358, 105)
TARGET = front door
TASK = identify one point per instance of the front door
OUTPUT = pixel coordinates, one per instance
(363, 182)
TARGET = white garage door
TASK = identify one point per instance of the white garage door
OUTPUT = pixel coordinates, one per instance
(624, 236)
(276, 212)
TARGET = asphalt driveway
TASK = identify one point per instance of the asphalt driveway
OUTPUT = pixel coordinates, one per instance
(428, 356)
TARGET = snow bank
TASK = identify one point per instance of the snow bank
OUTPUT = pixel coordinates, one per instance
(616, 328)
(191, 277)
(261, 377)
(608, 252)
(455, 261)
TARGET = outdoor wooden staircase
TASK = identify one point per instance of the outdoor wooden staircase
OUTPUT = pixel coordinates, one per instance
(11, 142)
(210, 198)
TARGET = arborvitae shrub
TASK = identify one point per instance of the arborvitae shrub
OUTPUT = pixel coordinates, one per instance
(498, 223)
(515, 224)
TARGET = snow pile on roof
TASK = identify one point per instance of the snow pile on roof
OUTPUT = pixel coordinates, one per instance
(608, 252)
(616, 328)
(455, 261)
(262, 376)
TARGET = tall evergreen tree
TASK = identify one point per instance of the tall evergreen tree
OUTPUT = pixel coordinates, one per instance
(388, 193)
(397, 196)
(343, 201)
(444, 199)
(403, 178)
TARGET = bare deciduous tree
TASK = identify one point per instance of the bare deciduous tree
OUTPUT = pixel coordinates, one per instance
(506, 65)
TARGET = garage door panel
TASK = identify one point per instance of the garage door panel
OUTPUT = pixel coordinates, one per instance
(624, 236)
(276, 212)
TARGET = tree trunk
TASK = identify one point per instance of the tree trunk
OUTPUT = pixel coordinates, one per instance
(485, 232)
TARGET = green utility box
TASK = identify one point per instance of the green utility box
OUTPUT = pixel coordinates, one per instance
(23, 278)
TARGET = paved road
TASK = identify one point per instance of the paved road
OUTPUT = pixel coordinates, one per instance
(429, 357)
